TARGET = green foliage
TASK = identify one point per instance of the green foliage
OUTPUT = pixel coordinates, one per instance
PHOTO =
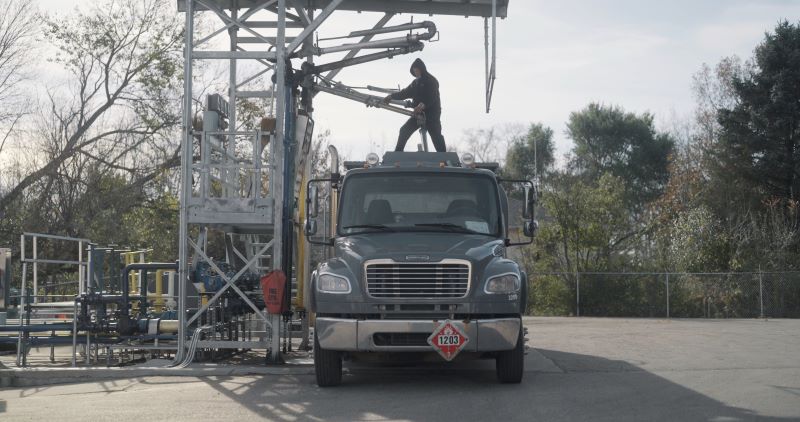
(586, 226)
(548, 295)
(154, 225)
(532, 155)
(610, 140)
(697, 242)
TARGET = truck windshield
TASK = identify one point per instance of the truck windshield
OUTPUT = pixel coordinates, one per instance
(419, 202)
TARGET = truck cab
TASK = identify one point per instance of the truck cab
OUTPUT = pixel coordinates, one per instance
(419, 264)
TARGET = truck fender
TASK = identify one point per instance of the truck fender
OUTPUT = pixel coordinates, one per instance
(312, 292)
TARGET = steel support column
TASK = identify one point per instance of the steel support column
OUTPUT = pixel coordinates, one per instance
(186, 182)
(278, 162)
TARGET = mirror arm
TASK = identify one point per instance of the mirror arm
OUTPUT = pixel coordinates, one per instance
(508, 242)
(326, 242)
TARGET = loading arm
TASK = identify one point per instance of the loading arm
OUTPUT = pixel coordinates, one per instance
(344, 91)
(310, 73)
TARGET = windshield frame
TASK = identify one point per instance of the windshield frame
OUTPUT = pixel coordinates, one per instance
(500, 223)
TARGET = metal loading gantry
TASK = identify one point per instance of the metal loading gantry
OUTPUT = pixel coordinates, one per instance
(244, 183)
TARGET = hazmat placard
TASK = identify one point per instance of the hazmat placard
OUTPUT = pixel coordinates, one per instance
(448, 340)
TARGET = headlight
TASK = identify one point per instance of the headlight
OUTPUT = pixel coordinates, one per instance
(506, 283)
(329, 283)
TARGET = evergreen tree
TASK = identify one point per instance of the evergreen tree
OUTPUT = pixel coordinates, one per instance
(760, 135)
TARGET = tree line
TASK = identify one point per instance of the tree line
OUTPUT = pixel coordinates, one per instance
(718, 193)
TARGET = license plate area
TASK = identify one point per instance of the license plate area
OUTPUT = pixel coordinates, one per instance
(400, 339)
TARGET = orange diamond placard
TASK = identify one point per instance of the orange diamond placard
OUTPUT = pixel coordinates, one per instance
(448, 340)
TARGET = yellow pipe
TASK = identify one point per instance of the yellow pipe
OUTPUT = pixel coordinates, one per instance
(133, 276)
(297, 301)
(168, 326)
(159, 302)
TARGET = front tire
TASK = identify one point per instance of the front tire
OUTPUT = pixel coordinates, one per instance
(327, 365)
(510, 364)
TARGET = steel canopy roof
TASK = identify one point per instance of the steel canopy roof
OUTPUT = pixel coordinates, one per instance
(480, 8)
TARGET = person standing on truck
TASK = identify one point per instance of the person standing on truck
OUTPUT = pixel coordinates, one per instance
(424, 94)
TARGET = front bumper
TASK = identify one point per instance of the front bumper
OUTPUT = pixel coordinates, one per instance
(485, 335)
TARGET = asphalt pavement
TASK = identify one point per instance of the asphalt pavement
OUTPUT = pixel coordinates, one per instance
(577, 369)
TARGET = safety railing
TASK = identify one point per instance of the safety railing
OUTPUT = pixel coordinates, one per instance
(39, 250)
(232, 166)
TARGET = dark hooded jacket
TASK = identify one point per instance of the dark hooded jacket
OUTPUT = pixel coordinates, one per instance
(424, 89)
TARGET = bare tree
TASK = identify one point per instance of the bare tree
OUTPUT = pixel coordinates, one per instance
(17, 30)
(713, 90)
(124, 59)
(491, 145)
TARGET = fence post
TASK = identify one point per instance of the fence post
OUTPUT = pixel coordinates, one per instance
(667, 274)
(761, 290)
(577, 294)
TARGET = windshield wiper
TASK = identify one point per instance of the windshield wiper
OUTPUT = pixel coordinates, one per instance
(450, 226)
(369, 226)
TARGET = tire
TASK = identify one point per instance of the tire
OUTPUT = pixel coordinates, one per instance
(510, 364)
(327, 366)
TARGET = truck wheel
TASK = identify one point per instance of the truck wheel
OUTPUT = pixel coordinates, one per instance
(327, 365)
(510, 364)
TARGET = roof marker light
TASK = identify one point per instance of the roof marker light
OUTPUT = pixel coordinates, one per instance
(467, 159)
(372, 159)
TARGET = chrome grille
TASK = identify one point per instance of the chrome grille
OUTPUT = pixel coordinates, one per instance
(418, 280)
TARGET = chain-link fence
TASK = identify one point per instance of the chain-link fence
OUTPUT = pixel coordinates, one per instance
(665, 295)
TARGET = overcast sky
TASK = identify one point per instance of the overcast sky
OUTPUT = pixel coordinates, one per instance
(554, 57)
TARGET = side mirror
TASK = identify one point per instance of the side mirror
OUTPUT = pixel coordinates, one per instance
(530, 202)
(310, 228)
(312, 202)
(530, 228)
(312, 211)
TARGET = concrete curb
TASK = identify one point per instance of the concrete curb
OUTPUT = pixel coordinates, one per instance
(31, 377)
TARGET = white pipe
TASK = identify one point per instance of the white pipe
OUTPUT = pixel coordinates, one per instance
(35, 269)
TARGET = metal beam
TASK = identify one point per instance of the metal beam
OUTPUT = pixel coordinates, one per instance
(262, 40)
(242, 19)
(278, 159)
(477, 8)
(255, 94)
(269, 65)
(482, 8)
(230, 19)
(239, 55)
(491, 64)
(309, 30)
(253, 77)
(186, 184)
(298, 7)
(229, 282)
(273, 25)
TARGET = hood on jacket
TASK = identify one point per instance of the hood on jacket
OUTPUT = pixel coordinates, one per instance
(418, 63)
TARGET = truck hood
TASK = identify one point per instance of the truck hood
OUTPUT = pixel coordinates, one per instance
(415, 247)
(486, 255)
